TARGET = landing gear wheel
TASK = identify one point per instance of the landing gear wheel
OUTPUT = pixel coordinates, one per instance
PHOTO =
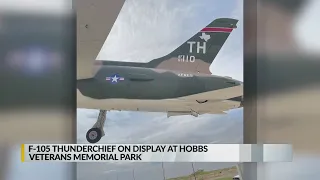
(94, 135)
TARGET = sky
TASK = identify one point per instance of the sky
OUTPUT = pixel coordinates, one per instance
(149, 29)
(138, 127)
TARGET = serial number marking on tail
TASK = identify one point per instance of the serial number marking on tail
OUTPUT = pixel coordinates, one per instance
(184, 58)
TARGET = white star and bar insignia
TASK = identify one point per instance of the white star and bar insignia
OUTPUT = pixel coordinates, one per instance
(114, 79)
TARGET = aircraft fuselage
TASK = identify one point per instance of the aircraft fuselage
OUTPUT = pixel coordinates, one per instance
(121, 82)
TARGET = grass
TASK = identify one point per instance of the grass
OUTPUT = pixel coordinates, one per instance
(220, 174)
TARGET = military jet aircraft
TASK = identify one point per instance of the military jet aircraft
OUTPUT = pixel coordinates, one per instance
(179, 83)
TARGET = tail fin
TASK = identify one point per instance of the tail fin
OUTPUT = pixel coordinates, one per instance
(197, 54)
(193, 56)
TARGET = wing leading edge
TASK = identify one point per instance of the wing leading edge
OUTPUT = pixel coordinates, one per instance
(95, 19)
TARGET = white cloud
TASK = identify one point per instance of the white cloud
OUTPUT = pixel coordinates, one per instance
(137, 127)
(147, 29)
(133, 127)
(229, 61)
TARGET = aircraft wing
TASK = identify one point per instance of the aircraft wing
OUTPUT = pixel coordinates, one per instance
(95, 19)
(221, 94)
(210, 107)
(214, 102)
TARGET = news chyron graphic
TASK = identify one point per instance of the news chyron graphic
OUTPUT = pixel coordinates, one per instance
(156, 153)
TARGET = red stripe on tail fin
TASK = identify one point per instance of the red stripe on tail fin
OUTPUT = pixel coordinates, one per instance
(217, 29)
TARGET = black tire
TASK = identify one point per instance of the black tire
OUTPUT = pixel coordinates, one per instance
(93, 135)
